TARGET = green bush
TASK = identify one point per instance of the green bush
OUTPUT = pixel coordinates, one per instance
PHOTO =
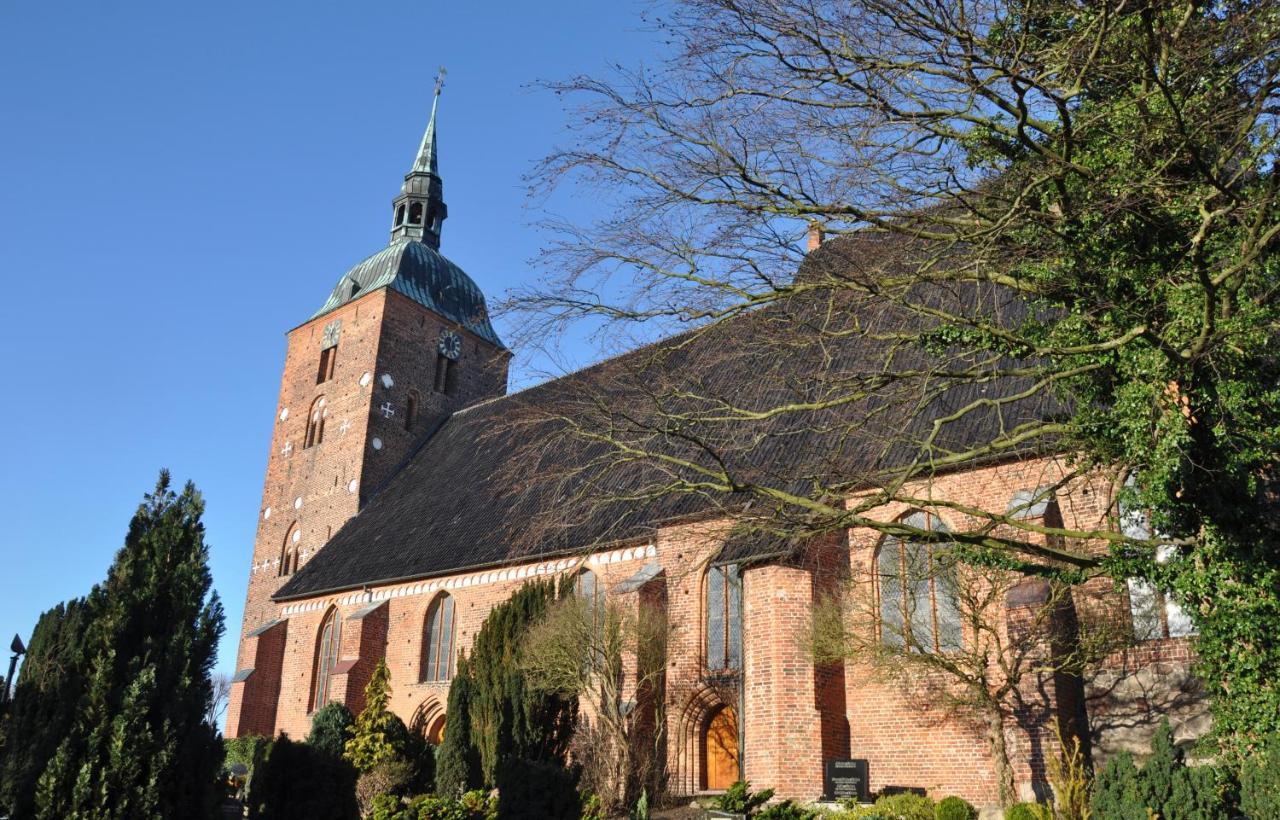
(786, 810)
(537, 790)
(640, 811)
(955, 808)
(1037, 811)
(1260, 784)
(1116, 790)
(331, 728)
(904, 807)
(295, 781)
(739, 799)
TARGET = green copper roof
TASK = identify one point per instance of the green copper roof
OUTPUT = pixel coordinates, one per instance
(426, 277)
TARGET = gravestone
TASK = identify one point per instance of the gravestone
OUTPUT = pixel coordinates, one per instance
(845, 779)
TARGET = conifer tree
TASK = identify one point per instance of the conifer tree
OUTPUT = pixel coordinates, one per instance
(457, 762)
(139, 746)
(49, 689)
(377, 736)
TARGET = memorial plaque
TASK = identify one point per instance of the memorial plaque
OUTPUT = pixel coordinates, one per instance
(845, 779)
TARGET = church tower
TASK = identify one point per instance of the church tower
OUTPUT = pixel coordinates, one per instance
(402, 341)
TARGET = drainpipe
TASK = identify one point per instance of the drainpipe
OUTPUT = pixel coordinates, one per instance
(742, 678)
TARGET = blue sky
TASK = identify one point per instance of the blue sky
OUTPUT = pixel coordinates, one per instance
(182, 183)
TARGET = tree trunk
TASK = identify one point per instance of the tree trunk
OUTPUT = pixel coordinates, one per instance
(1000, 752)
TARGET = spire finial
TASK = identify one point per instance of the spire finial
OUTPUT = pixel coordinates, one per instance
(427, 161)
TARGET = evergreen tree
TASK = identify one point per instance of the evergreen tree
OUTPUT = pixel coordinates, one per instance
(49, 689)
(378, 736)
(1160, 771)
(139, 746)
(331, 728)
(457, 762)
(509, 718)
(1117, 791)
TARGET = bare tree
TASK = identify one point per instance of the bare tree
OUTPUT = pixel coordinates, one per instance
(220, 696)
(612, 658)
(1054, 226)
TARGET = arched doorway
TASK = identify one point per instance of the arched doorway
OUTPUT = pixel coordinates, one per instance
(720, 749)
(435, 733)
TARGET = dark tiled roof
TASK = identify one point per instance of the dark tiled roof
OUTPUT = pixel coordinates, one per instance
(510, 479)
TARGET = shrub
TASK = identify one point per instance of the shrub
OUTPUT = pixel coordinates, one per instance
(640, 811)
(1037, 811)
(592, 809)
(330, 728)
(1116, 790)
(535, 789)
(294, 781)
(904, 807)
(786, 810)
(739, 799)
(1260, 784)
(955, 808)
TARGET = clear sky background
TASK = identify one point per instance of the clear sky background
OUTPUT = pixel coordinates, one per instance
(181, 183)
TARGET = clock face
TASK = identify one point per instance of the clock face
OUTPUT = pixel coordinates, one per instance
(450, 344)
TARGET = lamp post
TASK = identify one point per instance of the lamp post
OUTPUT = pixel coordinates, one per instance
(18, 650)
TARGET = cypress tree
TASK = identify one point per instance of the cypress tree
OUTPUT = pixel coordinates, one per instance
(139, 746)
(49, 689)
(457, 763)
(508, 717)
(331, 728)
(378, 736)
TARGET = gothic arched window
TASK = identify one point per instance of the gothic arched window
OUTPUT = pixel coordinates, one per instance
(315, 423)
(722, 603)
(289, 551)
(919, 602)
(326, 657)
(437, 640)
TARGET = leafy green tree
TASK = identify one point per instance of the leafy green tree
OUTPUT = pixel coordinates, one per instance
(139, 746)
(49, 690)
(1058, 225)
(331, 728)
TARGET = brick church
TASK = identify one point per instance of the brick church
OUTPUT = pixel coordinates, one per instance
(399, 507)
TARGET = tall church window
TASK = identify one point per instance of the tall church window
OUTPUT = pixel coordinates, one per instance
(1155, 614)
(587, 587)
(326, 657)
(328, 357)
(723, 618)
(917, 588)
(315, 423)
(411, 410)
(437, 640)
(446, 378)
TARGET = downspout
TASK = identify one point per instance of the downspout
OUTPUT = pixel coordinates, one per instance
(742, 678)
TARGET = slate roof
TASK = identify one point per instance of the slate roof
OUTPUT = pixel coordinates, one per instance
(509, 479)
(425, 276)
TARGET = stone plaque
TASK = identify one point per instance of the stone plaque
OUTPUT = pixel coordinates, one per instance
(845, 778)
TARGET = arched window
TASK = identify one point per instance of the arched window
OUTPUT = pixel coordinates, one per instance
(289, 550)
(415, 213)
(326, 657)
(315, 423)
(919, 604)
(411, 410)
(400, 215)
(437, 640)
(723, 618)
(587, 587)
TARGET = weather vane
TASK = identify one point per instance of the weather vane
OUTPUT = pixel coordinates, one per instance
(440, 79)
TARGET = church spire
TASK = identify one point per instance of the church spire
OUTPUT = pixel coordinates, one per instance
(420, 210)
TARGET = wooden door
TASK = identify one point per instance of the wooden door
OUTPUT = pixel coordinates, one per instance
(720, 750)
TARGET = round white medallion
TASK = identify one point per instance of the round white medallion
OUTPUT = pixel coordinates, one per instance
(377, 444)
(365, 379)
(387, 381)
(284, 414)
(351, 486)
(297, 503)
(266, 513)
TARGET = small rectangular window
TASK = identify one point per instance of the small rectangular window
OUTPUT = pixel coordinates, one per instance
(328, 357)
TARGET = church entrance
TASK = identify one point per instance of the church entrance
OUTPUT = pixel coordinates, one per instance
(720, 750)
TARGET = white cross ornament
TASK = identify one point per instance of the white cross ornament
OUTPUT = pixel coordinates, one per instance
(344, 427)
(287, 449)
(387, 410)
